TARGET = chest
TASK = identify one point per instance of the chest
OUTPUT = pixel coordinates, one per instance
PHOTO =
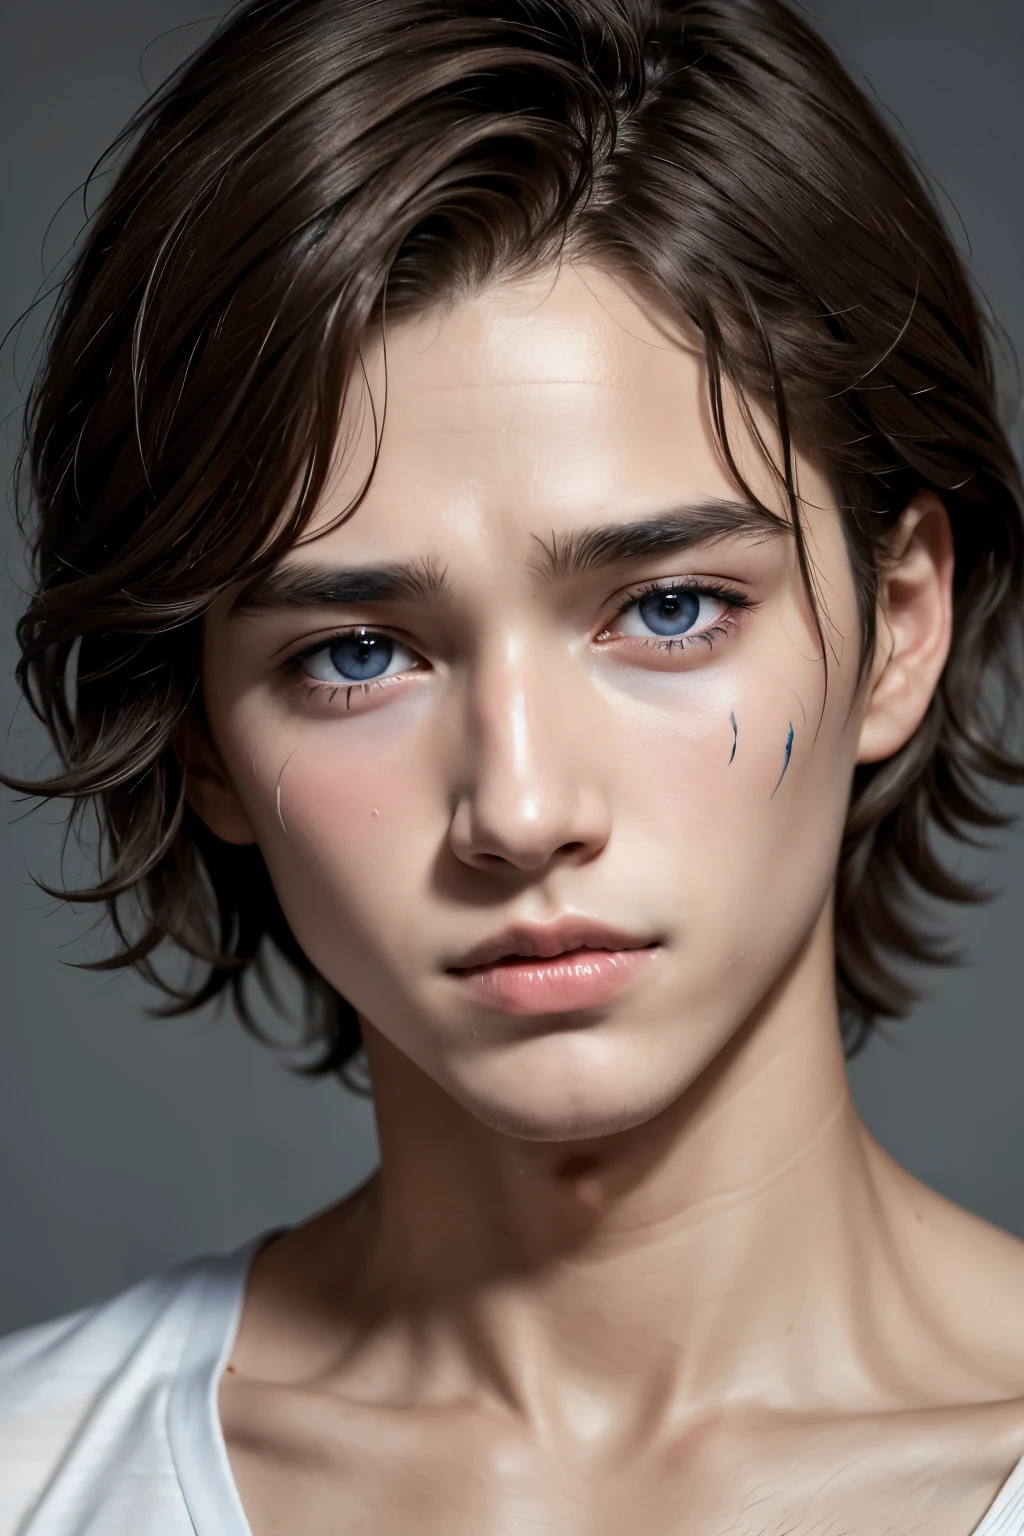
(452, 1475)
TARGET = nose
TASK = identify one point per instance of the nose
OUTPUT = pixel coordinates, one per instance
(531, 792)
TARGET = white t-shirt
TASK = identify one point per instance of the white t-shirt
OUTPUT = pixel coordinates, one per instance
(109, 1422)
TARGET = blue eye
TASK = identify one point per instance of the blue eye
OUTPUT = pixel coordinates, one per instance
(671, 612)
(360, 656)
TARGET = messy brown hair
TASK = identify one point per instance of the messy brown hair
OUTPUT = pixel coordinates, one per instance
(318, 161)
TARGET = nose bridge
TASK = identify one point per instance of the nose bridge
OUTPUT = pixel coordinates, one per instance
(530, 789)
(519, 745)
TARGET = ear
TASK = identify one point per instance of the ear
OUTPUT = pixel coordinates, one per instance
(915, 627)
(208, 789)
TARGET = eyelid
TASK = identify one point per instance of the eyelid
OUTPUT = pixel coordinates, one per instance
(313, 647)
(712, 586)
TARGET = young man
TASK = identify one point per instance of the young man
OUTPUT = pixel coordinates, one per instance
(524, 531)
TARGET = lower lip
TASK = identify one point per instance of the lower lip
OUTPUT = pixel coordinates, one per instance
(581, 978)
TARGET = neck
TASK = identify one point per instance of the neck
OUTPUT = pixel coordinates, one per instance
(713, 1245)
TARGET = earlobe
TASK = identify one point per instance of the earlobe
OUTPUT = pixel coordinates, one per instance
(915, 626)
(209, 790)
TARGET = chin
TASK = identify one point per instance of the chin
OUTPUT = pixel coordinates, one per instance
(565, 1090)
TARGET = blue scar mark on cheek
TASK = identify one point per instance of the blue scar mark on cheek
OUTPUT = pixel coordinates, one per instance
(785, 764)
(735, 736)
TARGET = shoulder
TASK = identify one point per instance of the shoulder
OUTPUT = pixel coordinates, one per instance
(968, 1281)
(84, 1398)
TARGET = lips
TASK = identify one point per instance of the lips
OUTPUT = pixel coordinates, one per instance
(528, 941)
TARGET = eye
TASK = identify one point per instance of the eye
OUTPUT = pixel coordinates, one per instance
(671, 612)
(358, 656)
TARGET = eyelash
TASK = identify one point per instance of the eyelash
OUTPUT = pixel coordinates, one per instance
(736, 602)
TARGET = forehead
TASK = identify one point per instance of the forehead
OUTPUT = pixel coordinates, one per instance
(528, 408)
(577, 327)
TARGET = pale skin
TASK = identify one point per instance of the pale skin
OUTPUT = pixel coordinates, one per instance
(636, 1266)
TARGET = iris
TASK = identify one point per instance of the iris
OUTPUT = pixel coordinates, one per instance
(670, 613)
(361, 656)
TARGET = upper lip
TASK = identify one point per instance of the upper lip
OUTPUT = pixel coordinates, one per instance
(545, 940)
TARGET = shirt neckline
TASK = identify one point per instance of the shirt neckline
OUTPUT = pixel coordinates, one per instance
(194, 1429)
(1006, 1513)
(196, 1436)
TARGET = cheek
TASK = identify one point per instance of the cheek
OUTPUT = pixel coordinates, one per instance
(738, 782)
(343, 813)
(722, 740)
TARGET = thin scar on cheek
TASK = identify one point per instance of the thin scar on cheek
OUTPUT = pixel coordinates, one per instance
(277, 790)
(785, 764)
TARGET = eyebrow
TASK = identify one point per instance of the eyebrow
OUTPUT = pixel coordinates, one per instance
(567, 555)
(562, 557)
(317, 586)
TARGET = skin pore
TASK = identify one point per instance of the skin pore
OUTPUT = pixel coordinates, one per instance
(634, 1264)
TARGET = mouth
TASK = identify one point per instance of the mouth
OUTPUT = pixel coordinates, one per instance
(560, 968)
(533, 941)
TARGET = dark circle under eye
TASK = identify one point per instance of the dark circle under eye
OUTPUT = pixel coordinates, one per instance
(670, 613)
(362, 656)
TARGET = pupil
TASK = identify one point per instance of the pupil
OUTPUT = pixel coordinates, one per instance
(670, 613)
(360, 657)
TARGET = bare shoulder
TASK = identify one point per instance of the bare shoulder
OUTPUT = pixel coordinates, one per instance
(969, 1277)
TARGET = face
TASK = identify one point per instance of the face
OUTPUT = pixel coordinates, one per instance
(553, 688)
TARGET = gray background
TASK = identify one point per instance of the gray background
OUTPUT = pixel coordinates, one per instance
(127, 1143)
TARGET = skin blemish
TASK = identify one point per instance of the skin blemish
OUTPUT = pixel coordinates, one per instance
(735, 737)
(785, 763)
